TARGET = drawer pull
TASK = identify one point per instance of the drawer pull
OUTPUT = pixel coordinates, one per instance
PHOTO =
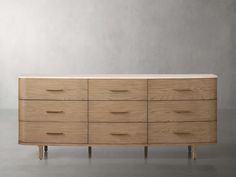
(119, 91)
(120, 112)
(119, 134)
(183, 90)
(55, 90)
(182, 132)
(54, 133)
(54, 112)
(182, 111)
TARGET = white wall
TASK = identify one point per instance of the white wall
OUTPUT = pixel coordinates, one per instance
(117, 36)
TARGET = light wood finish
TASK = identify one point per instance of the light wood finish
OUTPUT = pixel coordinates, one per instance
(117, 89)
(40, 152)
(182, 132)
(53, 110)
(166, 111)
(182, 89)
(126, 110)
(118, 111)
(117, 133)
(56, 132)
(53, 89)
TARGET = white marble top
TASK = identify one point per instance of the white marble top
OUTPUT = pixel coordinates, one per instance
(125, 76)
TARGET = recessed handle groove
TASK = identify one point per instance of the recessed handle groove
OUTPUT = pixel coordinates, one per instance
(54, 112)
(55, 90)
(55, 133)
(119, 91)
(119, 112)
(119, 134)
(183, 90)
(182, 132)
(182, 111)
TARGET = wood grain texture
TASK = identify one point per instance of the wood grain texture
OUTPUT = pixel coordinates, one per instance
(117, 111)
(118, 89)
(182, 132)
(48, 132)
(104, 111)
(182, 89)
(197, 110)
(53, 110)
(117, 133)
(53, 89)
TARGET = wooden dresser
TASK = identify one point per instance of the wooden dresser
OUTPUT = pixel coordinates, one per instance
(128, 110)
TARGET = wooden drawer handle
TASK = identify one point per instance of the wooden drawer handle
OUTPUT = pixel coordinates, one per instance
(55, 90)
(183, 90)
(54, 133)
(182, 132)
(119, 134)
(119, 91)
(54, 112)
(182, 111)
(120, 112)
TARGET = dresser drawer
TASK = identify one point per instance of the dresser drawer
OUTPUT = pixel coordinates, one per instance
(58, 133)
(182, 133)
(117, 133)
(32, 110)
(117, 89)
(182, 89)
(118, 111)
(53, 89)
(197, 110)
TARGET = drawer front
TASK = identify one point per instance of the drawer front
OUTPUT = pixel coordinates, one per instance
(118, 89)
(118, 111)
(182, 133)
(165, 111)
(58, 133)
(118, 133)
(53, 110)
(53, 89)
(182, 89)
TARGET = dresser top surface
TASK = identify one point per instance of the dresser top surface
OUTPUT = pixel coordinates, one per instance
(123, 76)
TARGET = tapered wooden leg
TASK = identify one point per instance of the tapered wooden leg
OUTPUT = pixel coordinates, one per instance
(90, 151)
(45, 148)
(194, 153)
(40, 152)
(145, 151)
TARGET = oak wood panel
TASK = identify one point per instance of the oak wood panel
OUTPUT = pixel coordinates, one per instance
(117, 111)
(118, 89)
(53, 89)
(182, 89)
(182, 132)
(117, 133)
(31, 110)
(48, 132)
(197, 110)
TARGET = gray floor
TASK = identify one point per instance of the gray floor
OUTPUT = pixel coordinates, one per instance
(214, 160)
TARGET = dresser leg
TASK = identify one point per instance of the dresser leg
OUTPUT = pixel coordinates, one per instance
(40, 152)
(189, 151)
(90, 151)
(45, 148)
(145, 151)
(194, 154)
